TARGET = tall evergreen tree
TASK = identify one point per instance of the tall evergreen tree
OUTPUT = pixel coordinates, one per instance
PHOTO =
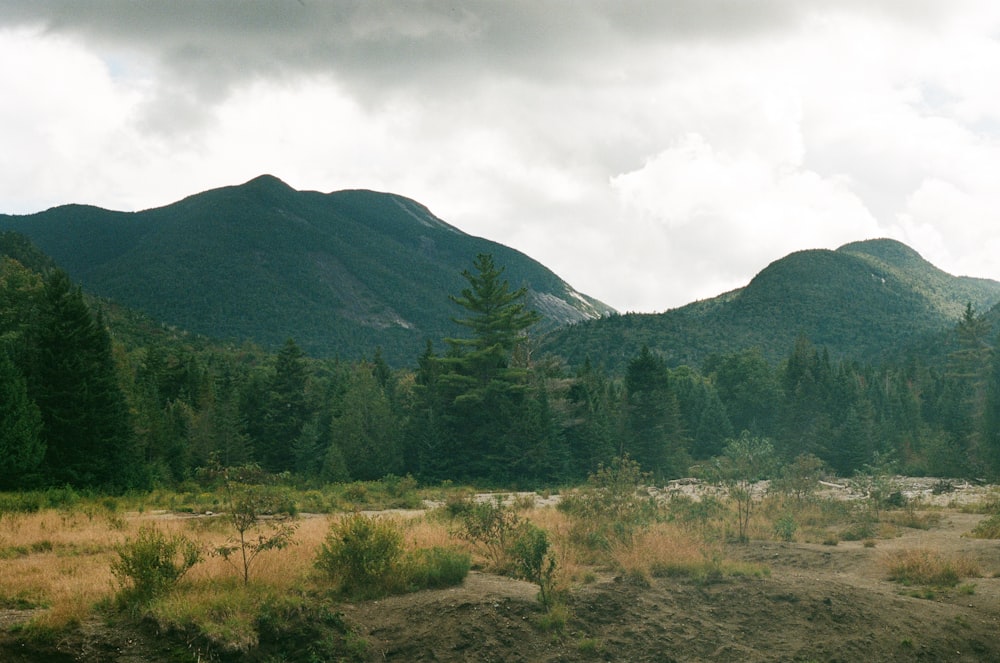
(285, 410)
(655, 436)
(21, 445)
(87, 432)
(476, 394)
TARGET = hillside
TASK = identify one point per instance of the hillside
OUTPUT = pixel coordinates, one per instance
(864, 300)
(341, 273)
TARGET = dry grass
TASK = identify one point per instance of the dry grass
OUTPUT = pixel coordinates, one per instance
(919, 566)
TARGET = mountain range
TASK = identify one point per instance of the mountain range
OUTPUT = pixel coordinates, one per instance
(866, 301)
(341, 273)
(344, 273)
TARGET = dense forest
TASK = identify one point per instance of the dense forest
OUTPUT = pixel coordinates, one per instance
(95, 396)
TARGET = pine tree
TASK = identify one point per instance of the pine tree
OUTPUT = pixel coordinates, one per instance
(285, 410)
(87, 431)
(655, 436)
(476, 394)
(21, 445)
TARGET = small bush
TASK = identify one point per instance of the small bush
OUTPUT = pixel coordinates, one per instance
(151, 564)
(784, 527)
(493, 526)
(436, 568)
(361, 554)
(988, 528)
(534, 561)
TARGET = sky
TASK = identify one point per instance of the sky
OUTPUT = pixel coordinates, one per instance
(650, 152)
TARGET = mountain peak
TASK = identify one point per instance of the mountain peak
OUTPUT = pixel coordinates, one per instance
(886, 250)
(266, 181)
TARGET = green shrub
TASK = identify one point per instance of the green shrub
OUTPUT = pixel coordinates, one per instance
(988, 528)
(784, 527)
(151, 564)
(611, 508)
(361, 555)
(436, 568)
(534, 561)
(493, 526)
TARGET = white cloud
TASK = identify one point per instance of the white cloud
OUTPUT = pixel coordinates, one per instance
(720, 216)
(650, 153)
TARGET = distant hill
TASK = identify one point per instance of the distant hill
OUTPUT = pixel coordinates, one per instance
(865, 300)
(341, 273)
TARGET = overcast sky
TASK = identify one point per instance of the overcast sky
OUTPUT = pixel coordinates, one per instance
(651, 153)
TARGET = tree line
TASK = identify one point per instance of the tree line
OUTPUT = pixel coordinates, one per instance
(90, 400)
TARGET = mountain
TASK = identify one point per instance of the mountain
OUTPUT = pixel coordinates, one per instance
(342, 273)
(865, 301)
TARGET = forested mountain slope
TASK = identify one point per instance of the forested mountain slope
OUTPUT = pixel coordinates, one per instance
(865, 300)
(341, 273)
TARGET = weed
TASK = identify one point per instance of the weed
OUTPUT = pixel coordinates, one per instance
(589, 646)
(967, 589)
(611, 510)
(554, 619)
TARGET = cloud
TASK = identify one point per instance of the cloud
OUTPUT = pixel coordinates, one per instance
(649, 152)
(719, 216)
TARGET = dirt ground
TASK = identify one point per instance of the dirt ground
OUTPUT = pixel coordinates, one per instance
(819, 603)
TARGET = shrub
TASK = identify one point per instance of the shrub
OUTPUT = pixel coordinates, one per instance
(610, 510)
(988, 528)
(534, 561)
(151, 564)
(247, 501)
(785, 526)
(361, 554)
(364, 556)
(436, 568)
(493, 526)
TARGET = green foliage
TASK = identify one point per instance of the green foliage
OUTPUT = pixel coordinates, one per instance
(247, 502)
(435, 568)
(876, 482)
(800, 478)
(364, 557)
(785, 527)
(21, 443)
(746, 461)
(361, 554)
(535, 561)
(151, 564)
(611, 508)
(988, 528)
(493, 526)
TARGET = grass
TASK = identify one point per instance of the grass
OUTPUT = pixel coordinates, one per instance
(988, 528)
(924, 567)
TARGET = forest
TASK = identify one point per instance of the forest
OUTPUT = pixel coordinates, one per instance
(94, 396)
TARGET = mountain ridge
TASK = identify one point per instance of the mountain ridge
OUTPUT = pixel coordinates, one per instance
(341, 272)
(864, 300)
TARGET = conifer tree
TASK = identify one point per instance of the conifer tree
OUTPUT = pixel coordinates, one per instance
(21, 445)
(87, 432)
